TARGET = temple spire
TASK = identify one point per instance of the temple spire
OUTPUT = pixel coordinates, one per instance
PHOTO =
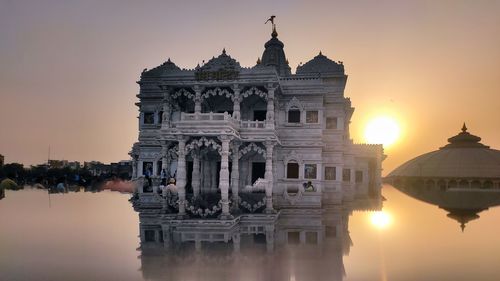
(464, 128)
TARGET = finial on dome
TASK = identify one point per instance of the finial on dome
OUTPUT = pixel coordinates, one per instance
(462, 226)
(274, 34)
(464, 128)
(320, 53)
(224, 51)
(258, 60)
(168, 60)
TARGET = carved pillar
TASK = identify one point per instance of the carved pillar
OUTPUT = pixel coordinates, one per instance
(224, 176)
(155, 167)
(339, 174)
(197, 243)
(213, 176)
(206, 177)
(270, 238)
(140, 173)
(235, 173)
(156, 118)
(195, 181)
(134, 166)
(249, 173)
(269, 176)
(236, 242)
(181, 175)
(164, 160)
(236, 102)
(270, 107)
(197, 100)
(167, 235)
(167, 107)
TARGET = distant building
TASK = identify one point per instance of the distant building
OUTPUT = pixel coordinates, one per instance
(75, 165)
(2, 159)
(463, 163)
(57, 164)
(96, 168)
(60, 164)
(122, 169)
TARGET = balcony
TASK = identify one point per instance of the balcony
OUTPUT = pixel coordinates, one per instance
(247, 124)
(207, 123)
(217, 121)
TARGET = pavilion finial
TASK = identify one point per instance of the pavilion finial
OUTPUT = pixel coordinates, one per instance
(223, 51)
(320, 53)
(464, 128)
(462, 226)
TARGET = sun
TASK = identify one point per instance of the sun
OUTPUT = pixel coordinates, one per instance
(382, 130)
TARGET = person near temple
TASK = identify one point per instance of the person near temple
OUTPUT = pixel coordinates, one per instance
(308, 186)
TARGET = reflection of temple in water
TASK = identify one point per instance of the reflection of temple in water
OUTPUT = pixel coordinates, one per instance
(463, 177)
(298, 245)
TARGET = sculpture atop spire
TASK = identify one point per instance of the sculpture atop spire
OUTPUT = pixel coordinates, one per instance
(271, 19)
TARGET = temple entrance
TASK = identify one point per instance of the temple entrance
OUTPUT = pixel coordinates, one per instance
(258, 170)
(259, 115)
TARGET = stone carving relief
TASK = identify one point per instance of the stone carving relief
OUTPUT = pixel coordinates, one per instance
(197, 143)
(254, 91)
(217, 92)
(292, 156)
(252, 147)
(294, 102)
(183, 92)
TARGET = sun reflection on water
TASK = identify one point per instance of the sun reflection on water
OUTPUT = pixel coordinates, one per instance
(380, 219)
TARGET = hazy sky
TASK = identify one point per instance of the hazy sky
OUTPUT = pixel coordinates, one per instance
(68, 68)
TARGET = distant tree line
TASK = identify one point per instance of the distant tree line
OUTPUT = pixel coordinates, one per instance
(52, 176)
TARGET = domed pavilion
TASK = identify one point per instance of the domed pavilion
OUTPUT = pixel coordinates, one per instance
(463, 163)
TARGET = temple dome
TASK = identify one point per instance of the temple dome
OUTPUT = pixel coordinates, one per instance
(463, 157)
(222, 62)
(274, 55)
(165, 68)
(320, 64)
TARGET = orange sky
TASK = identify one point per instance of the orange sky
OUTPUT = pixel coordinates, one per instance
(68, 71)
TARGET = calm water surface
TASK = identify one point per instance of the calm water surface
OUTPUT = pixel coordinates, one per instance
(94, 236)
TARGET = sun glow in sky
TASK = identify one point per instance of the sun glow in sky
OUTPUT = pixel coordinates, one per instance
(382, 130)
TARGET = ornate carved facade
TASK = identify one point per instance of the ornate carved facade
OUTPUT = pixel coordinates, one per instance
(249, 141)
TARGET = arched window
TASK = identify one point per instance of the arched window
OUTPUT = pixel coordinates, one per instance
(294, 111)
(292, 170)
(294, 115)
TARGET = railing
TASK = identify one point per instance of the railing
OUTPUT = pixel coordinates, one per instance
(221, 117)
(210, 116)
(253, 124)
